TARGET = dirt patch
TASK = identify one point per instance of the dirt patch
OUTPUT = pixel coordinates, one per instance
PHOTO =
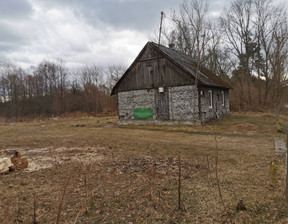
(48, 157)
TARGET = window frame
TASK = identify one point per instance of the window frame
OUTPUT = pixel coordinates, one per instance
(223, 98)
(210, 99)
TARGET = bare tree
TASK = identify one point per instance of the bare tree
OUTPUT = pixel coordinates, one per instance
(189, 27)
(256, 33)
(51, 89)
(239, 30)
(272, 52)
(113, 74)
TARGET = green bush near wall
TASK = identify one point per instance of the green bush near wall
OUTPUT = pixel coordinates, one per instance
(143, 114)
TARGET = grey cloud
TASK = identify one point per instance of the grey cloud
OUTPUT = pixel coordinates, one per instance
(9, 34)
(14, 9)
(138, 14)
(12, 37)
(6, 47)
(119, 24)
(10, 40)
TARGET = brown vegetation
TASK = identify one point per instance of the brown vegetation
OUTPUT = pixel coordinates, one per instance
(51, 89)
(87, 170)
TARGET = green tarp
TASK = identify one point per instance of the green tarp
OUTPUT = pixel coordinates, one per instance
(143, 114)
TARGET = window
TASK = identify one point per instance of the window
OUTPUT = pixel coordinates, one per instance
(223, 98)
(150, 77)
(210, 96)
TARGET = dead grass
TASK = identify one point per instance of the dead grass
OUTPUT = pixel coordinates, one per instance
(249, 123)
(121, 175)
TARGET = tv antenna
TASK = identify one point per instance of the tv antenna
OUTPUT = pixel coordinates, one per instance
(160, 29)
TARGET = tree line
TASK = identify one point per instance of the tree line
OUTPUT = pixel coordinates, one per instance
(51, 89)
(247, 45)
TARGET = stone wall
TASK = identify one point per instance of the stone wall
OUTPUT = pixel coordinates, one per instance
(181, 103)
(217, 109)
(127, 101)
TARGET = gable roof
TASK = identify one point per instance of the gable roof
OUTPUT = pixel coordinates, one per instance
(184, 62)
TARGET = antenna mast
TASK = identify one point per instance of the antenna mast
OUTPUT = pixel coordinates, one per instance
(160, 29)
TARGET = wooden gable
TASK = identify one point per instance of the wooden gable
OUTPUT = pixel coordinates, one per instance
(152, 69)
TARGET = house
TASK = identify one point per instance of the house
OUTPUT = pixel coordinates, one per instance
(159, 87)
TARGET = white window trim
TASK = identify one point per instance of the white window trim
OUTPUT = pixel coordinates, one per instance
(223, 98)
(210, 98)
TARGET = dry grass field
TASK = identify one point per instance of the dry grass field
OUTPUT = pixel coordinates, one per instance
(89, 170)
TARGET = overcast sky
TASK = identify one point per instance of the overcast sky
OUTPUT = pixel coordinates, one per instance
(103, 32)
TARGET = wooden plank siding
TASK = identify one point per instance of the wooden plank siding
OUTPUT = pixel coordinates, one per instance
(154, 74)
(153, 70)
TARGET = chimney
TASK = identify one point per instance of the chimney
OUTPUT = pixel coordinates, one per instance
(171, 45)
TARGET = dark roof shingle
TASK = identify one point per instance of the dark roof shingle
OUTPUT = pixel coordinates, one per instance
(205, 76)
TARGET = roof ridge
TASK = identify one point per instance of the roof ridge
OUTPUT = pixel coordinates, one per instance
(186, 62)
(172, 49)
